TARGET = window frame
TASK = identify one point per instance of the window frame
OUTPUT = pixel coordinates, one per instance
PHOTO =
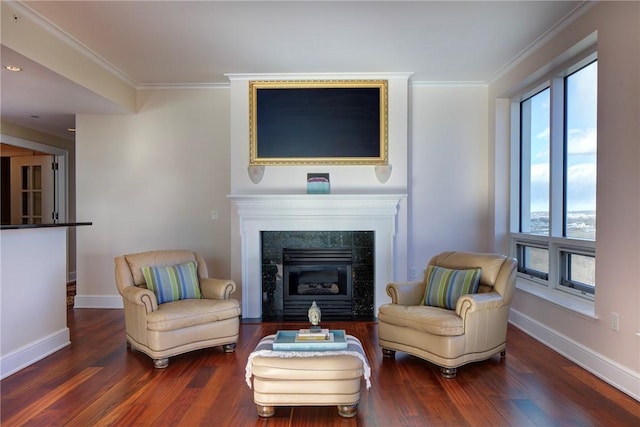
(523, 268)
(566, 284)
(559, 246)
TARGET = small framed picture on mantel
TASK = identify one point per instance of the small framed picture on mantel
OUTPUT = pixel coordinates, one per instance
(318, 183)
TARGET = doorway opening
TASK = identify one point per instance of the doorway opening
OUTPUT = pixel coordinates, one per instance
(34, 182)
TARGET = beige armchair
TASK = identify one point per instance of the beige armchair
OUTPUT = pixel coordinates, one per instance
(475, 330)
(175, 327)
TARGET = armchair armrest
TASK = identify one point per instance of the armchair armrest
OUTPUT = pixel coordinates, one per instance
(406, 293)
(217, 288)
(140, 296)
(484, 317)
(477, 302)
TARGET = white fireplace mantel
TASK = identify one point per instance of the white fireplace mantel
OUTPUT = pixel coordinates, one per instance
(314, 212)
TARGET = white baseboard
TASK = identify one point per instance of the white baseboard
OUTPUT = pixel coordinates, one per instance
(618, 376)
(98, 301)
(31, 353)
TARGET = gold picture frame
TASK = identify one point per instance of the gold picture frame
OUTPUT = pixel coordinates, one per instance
(308, 122)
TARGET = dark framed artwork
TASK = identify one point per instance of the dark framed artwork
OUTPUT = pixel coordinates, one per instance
(318, 122)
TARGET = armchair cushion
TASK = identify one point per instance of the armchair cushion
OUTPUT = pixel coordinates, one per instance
(173, 282)
(182, 314)
(445, 286)
(431, 320)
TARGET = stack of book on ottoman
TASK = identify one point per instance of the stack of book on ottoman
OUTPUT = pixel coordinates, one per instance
(314, 335)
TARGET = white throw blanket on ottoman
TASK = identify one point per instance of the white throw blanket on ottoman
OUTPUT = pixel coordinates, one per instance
(264, 349)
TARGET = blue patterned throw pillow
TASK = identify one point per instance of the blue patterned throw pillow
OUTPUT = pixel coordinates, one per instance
(173, 282)
(445, 286)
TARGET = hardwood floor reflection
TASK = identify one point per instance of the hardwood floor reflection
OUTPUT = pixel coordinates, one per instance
(96, 381)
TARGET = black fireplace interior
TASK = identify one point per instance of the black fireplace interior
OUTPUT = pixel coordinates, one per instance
(333, 268)
(317, 274)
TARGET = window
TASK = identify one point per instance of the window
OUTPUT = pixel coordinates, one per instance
(578, 271)
(554, 179)
(581, 100)
(533, 261)
(534, 164)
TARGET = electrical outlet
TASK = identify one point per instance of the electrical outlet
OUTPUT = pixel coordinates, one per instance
(615, 322)
(214, 214)
(413, 273)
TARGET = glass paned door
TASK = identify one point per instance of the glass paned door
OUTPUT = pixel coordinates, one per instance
(32, 189)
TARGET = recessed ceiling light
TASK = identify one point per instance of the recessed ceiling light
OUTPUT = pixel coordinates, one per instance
(71, 129)
(13, 68)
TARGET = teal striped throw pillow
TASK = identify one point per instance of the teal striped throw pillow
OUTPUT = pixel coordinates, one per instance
(173, 282)
(444, 286)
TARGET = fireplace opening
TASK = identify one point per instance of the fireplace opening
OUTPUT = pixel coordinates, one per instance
(323, 275)
(359, 245)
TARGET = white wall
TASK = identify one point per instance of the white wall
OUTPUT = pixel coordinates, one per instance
(612, 355)
(150, 181)
(33, 312)
(448, 199)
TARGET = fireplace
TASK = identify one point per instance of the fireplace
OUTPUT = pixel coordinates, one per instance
(323, 275)
(333, 268)
(322, 221)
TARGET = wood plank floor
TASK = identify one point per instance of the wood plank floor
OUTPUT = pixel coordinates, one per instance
(96, 381)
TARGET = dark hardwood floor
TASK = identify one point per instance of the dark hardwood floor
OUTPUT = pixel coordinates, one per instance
(96, 381)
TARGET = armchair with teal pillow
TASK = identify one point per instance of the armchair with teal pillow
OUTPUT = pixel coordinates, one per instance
(456, 315)
(171, 306)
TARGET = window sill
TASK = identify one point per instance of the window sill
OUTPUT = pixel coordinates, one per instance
(575, 305)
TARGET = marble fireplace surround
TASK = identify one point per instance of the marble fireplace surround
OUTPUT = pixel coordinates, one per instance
(314, 212)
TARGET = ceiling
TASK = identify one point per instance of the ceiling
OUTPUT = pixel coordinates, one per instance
(195, 43)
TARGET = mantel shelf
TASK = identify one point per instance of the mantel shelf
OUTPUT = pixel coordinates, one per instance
(317, 205)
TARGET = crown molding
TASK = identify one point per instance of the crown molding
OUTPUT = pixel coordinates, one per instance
(569, 19)
(318, 76)
(461, 84)
(77, 45)
(179, 86)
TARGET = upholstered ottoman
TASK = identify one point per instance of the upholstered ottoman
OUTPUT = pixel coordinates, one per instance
(309, 378)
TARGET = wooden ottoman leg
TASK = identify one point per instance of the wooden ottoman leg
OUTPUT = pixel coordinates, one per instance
(347, 411)
(229, 348)
(265, 411)
(161, 363)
